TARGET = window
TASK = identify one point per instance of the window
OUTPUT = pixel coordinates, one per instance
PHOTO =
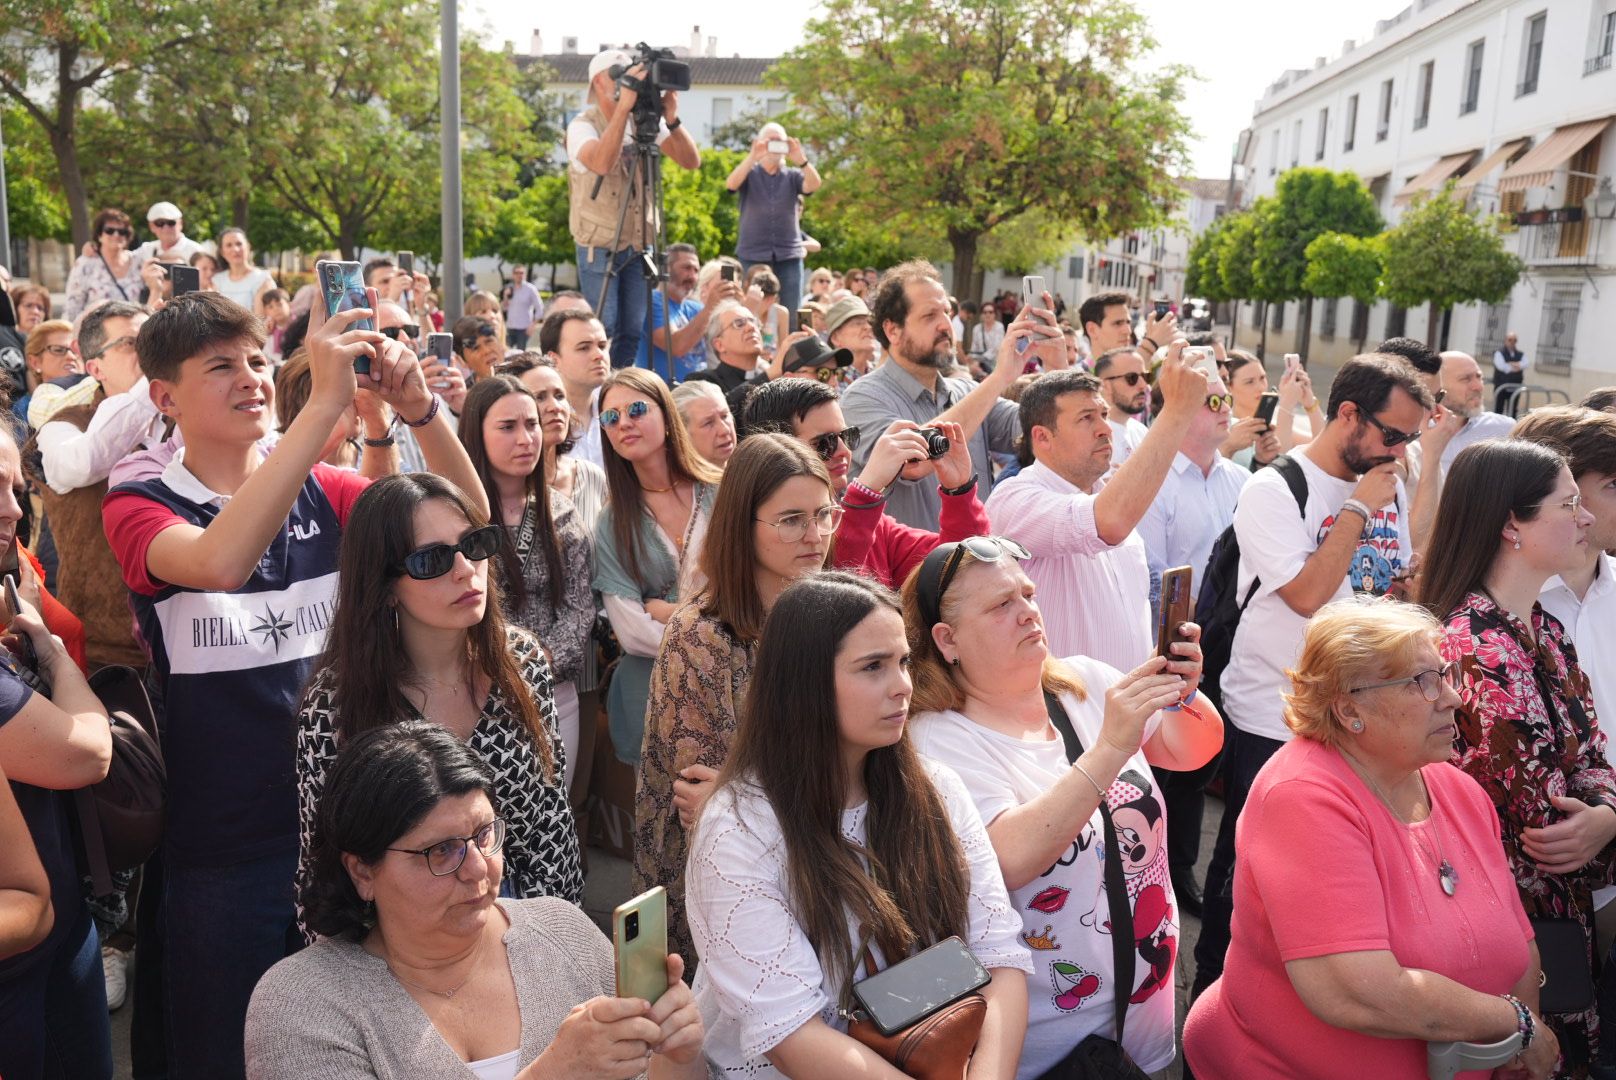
(723, 112)
(1604, 44)
(1422, 95)
(1383, 125)
(1470, 92)
(1557, 337)
(1351, 135)
(1396, 321)
(1296, 143)
(1273, 155)
(1494, 324)
(1278, 320)
(1324, 128)
(1327, 318)
(774, 107)
(1580, 176)
(1532, 54)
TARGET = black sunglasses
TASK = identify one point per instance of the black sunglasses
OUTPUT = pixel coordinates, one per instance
(1388, 435)
(112, 230)
(1133, 378)
(825, 445)
(435, 560)
(404, 333)
(161, 223)
(937, 572)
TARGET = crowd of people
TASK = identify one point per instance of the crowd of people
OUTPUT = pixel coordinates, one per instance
(872, 592)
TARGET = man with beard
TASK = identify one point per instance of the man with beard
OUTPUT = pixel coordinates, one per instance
(1461, 379)
(912, 322)
(1352, 531)
(1126, 391)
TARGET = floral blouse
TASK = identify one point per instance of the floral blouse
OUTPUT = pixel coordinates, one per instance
(91, 281)
(697, 684)
(563, 629)
(1523, 749)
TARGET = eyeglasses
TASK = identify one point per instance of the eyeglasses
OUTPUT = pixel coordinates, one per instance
(435, 560)
(127, 341)
(636, 409)
(1574, 504)
(740, 322)
(1389, 435)
(794, 527)
(825, 445)
(114, 230)
(401, 333)
(162, 223)
(938, 571)
(1133, 378)
(1430, 682)
(55, 350)
(1219, 402)
(447, 856)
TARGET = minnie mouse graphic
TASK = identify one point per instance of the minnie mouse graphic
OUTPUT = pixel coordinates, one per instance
(1142, 843)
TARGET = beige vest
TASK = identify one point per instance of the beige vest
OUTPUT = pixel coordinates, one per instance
(594, 220)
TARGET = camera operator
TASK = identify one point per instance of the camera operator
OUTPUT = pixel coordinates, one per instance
(595, 150)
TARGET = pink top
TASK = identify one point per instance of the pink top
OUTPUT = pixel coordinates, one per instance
(1323, 867)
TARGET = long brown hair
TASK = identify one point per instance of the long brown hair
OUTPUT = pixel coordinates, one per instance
(729, 554)
(788, 744)
(623, 485)
(482, 396)
(365, 653)
(935, 688)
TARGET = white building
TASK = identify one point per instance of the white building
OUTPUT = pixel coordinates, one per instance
(1511, 99)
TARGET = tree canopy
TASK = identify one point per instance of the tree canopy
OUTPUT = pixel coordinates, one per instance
(1443, 255)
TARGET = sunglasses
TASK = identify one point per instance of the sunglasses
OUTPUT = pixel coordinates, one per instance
(435, 560)
(1388, 435)
(825, 445)
(1219, 402)
(824, 374)
(401, 333)
(1133, 378)
(115, 231)
(937, 572)
(162, 223)
(636, 409)
(1429, 682)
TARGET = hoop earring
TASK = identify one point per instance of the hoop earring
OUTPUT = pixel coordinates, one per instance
(395, 619)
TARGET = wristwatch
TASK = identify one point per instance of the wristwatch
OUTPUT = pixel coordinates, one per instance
(678, 121)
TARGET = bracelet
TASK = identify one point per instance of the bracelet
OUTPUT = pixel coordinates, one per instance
(961, 490)
(383, 442)
(1153, 345)
(1184, 702)
(1309, 408)
(1523, 1020)
(432, 414)
(678, 122)
(876, 498)
(1357, 508)
(1098, 790)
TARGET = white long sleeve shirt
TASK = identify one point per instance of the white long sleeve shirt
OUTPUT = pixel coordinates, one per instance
(122, 424)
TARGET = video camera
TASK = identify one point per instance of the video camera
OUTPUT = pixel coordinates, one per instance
(663, 73)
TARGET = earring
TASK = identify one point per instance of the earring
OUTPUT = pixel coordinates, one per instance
(1357, 725)
(1517, 541)
(955, 661)
(395, 619)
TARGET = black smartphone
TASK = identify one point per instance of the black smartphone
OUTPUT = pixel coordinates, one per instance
(342, 287)
(29, 657)
(1177, 606)
(186, 279)
(1161, 308)
(731, 273)
(1265, 408)
(405, 261)
(440, 347)
(908, 992)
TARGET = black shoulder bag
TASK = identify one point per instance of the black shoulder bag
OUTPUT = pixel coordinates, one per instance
(1097, 1057)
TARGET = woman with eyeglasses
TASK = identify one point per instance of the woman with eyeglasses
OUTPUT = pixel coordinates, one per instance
(648, 541)
(418, 633)
(544, 549)
(707, 419)
(423, 967)
(48, 354)
(773, 522)
(241, 281)
(990, 702)
(110, 272)
(1510, 518)
(1374, 910)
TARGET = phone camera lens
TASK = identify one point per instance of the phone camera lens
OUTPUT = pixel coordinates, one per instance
(631, 926)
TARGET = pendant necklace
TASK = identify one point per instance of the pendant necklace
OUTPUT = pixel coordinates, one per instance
(1446, 875)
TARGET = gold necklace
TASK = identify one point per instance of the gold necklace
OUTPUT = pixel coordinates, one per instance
(659, 491)
(453, 990)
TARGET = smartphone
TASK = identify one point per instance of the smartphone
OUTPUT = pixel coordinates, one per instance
(730, 273)
(1265, 408)
(908, 992)
(29, 658)
(779, 146)
(1293, 361)
(405, 261)
(1204, 358)
(805, 318)
(1161, 307)
(1032, 292)
(342, 286)
(640, 945)
(1177, 606)
(440, 347)
(186, 279)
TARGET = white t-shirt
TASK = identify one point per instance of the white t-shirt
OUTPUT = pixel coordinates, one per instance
(243, 291)
(581, 133)
(1275, 542)
(1126, 435)
(1064, 913)
(760, 979)
(181, 252)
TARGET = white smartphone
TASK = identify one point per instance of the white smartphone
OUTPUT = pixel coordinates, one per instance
(1204, 359)
(1032, 292)
(1292, 362)
(779, 146)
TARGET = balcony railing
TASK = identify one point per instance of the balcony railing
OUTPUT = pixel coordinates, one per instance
(1564, 236)
(1596, 64)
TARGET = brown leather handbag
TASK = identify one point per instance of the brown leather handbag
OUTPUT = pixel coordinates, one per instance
(939, 1044)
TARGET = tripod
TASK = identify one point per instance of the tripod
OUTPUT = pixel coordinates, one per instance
(645, 179)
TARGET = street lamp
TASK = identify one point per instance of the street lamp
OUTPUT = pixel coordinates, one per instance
(1601, 205)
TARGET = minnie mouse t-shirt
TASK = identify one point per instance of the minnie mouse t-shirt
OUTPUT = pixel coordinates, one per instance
(1066, 922)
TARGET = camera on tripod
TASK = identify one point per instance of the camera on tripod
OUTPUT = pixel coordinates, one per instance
(662, 73)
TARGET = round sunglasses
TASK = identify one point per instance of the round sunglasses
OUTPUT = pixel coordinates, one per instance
(636, 409)
(435, 560)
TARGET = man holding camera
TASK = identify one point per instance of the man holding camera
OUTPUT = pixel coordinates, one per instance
(600, 184)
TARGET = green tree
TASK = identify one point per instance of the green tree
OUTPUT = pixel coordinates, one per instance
(1443, 255)
(1306, 204)
(1203, 276)
(953, 118)
(1339, 264)
(35, 208)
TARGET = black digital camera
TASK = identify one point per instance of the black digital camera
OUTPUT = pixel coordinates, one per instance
(937, 443)
(662, 73)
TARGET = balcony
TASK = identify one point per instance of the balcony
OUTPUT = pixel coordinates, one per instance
(1596, 64)
(1564, 236)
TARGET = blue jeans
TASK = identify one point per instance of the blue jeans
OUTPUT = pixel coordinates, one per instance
(223, 927)
(789, 271)
(623, 311)
(53, 1017)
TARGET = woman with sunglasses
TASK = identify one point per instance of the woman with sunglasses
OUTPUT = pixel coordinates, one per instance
(418, 633)
(109, 270)
(773, 522)
(1510, 518)
(422, 968)
(241, 281)
(478, 345)
(648, 540)
(544, 549)
(986, 697)
(1374, 909)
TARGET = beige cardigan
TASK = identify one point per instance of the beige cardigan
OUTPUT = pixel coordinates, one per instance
(334, 1011)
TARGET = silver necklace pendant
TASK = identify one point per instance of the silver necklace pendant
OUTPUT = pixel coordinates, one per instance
(1449, 877)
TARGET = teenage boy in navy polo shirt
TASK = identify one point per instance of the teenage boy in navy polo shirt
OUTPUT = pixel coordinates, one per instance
(231, 557)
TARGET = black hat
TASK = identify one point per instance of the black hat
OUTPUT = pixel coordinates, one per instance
(814, 353)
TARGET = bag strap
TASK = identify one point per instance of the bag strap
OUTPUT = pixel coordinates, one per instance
(115, 282)
(1116, 893)
(526, 530)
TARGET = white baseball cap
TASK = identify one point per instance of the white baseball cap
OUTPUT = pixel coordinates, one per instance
(604, 60)
(164, 211)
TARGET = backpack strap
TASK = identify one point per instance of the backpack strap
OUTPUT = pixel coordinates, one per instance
(1296, 480)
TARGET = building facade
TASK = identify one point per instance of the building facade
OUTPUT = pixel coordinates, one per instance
(1511, 100)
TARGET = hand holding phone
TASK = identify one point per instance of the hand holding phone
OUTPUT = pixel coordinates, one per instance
(29, 657)
(342, 287)
(1265, 408)
(640, 945)
(1176, 608)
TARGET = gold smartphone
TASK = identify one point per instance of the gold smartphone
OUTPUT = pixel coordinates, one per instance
(640, 945)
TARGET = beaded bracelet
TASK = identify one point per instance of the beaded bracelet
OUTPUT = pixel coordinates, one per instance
(1524, 1023)
(431, 414)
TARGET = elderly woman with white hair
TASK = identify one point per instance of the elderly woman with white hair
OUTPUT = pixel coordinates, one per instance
(769, 181)
(707, 419)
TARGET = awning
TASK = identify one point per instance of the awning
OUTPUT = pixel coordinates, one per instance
(1537, 167)
(1433, 178)
(1488, 166)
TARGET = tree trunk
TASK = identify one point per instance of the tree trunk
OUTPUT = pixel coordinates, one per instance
(1431, 317)
(1304, 328)
(1447, 324)
(1234, 323)
(1262, 348)
(965, 284)
(239, 212)
(64, 142)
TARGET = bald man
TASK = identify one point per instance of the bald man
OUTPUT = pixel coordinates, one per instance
(1466, 390)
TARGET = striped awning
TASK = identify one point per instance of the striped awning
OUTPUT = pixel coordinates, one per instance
(1537, 168)
(1489, 165)
(1433, 178)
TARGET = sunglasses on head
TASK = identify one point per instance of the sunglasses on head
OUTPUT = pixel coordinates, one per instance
(1133, 378)
(435, 560)
(401, 333)
(826, 445)
(117, 230)
(636, 409)
(1388, 435)
(937, 572)
(162, 223)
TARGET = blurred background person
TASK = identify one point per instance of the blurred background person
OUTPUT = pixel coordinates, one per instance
(769, 182)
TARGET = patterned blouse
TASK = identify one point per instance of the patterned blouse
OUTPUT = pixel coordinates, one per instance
(562, 628)
(91, 281)
(697, 684)
(1524, 748)
(541, 840)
